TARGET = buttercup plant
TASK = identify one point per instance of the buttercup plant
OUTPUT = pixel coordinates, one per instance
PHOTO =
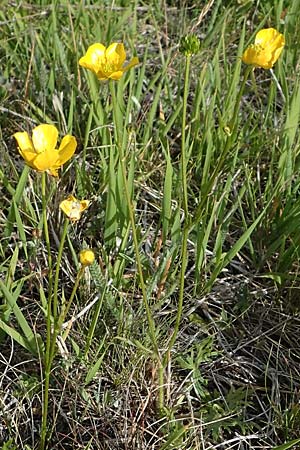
(200, 151)
(40, 153)
(265, 51)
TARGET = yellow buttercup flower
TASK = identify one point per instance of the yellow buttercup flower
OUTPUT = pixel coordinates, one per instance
(107, 63)
(266, 49)
(73, 208)
(87, 257)
(39, 152)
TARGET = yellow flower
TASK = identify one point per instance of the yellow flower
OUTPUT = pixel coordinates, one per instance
(87, 257)
(73, 208)
(107, 63)
(39, 152)
(266, 49)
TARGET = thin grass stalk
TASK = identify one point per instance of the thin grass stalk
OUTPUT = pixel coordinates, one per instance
(232, 128)
(94, 323)
(120, 143)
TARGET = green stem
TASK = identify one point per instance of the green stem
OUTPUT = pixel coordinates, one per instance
(46, 233)
(58, 264)
(233, 122)
(51, 352)
(130, 206)
(183, 139)
(49, 313)
(184, 253)
(65, 310)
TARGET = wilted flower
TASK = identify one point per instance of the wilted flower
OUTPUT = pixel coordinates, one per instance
(39, 152)
(73, 208)
(87, 257)
(266, 49)
(107, 63)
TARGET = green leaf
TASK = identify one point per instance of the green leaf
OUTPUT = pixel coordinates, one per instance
(174, 437)
(287, 445)
(16, 336)
(29, 336)
(16, 200)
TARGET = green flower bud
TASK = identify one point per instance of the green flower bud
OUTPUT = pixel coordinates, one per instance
(189, 45)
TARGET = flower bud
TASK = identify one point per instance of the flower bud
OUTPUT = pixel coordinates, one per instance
(189, 45)
(87, 257)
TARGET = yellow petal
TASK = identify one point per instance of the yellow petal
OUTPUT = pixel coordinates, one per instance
(94, 57)
(46, 160)
(28, 156)
(84, 204)
(24, 142)
(44, 137)
(101, 75)
(132, 63)
(66, 149)
(115, 75)
(267, 37)
(115, 56)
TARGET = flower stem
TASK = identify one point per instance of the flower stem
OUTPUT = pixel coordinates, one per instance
(49, 313)
(51, 348)
(184, 253)
(183, 139)
(58, 263)
(130, 206)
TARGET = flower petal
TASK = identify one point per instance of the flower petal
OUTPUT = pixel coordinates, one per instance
(256, 56)
(44, 137)
(53, 171)
(94, 57)
(266, 37)
(28, 157)
(115, 55)
(66, 149)
(24, 142)
(84, 204)
(115, 75)
(132, 63)
(45, 160)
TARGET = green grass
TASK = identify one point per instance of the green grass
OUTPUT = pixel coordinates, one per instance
(226, 247)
